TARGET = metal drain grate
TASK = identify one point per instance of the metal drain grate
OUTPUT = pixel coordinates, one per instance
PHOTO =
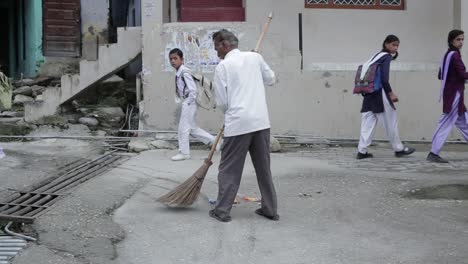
(26, 206)
(10, 247)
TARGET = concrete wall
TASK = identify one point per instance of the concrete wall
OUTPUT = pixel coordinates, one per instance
(94, 26)
(318, 100)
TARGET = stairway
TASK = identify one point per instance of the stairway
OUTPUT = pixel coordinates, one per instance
(111, 59)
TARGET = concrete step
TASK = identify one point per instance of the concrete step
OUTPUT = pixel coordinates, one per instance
(112, 58)
(48, 106)
(70, 86)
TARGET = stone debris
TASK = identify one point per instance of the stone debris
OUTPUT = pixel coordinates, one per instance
(139, 145)
(11, 114)
(89, 121)
(108, 117)
(24, 82)
(42, 81)
(21, 99)
(162, 144)
(37, 90)
(24, 90)
(275, 146)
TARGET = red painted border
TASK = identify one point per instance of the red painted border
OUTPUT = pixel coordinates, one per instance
(378, 6)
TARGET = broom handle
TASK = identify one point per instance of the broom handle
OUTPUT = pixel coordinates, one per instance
(215, 143)
(264, 30)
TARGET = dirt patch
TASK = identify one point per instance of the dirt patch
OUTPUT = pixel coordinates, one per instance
(449, 191)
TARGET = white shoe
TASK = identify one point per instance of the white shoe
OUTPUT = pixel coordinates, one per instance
(180, 157)
(2, 154)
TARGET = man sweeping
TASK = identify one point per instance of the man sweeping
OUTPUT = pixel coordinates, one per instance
(240, 93)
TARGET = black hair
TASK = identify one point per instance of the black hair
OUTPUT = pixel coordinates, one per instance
(178, 52)
(453, 35)
(227, 36)
(390, 39)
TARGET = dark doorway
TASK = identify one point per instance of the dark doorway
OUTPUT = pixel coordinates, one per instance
(4, 41)
(119, 12)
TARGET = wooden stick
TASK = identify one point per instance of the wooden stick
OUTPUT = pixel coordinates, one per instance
(264, 30)
(215, 143)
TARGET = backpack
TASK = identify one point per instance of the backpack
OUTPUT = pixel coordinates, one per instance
(368, 79)
(205, 98)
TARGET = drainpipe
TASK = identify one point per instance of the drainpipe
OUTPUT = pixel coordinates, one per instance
(7, 230)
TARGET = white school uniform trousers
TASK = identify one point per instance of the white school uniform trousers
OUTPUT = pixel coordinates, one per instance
(186, 92)
(390, 124)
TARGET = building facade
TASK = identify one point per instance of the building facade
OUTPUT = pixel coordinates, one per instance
(315, 66)
(50, 37)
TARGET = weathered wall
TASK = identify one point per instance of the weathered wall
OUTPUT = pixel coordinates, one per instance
(318, 100)
(94, 26)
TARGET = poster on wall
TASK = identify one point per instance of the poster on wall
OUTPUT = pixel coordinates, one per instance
(148, 8)
(198, 49)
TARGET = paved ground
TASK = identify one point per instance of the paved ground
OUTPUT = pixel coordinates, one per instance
(28, 163)
(333, 209)
(383, 160)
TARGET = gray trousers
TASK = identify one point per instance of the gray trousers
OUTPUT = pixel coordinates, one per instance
(233, 157)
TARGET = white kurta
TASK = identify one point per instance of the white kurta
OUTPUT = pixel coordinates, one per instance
(187, 94)
(240, 92)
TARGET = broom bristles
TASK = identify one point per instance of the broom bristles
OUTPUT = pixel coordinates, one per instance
(187, 192)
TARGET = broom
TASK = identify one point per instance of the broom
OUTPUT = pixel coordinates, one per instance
(187, 193)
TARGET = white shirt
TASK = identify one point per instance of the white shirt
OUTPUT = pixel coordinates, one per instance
(188, 85)
(240, 92)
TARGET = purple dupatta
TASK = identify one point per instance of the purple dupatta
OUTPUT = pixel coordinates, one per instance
(444, 65)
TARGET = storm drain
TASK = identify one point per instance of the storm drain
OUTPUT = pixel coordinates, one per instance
(25, 206)
(10, 247)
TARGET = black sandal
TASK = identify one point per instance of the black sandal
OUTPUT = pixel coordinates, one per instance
(219, 218)
(259, 211)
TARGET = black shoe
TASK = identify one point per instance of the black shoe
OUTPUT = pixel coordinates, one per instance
(405, 152)
(219, 218)
(259, 211)
(435, 158)
(364, 156)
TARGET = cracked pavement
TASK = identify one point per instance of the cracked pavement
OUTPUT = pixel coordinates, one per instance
(334, 209)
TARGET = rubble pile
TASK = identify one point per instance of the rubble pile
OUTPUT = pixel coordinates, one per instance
(28, 90)
(108, 107)
(24, 90)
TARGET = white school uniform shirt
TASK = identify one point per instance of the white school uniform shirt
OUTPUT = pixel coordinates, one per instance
(189, 85)
(240, 92)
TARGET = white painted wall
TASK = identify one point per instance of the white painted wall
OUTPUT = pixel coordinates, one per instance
(318, 100)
